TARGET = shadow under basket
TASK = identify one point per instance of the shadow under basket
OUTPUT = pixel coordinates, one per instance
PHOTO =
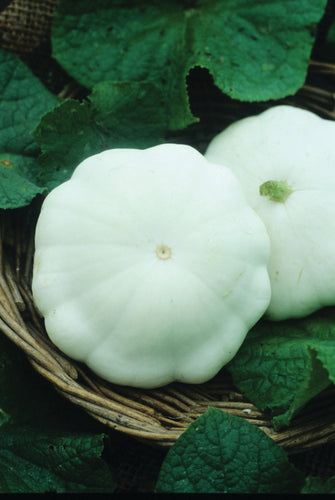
(157, 416)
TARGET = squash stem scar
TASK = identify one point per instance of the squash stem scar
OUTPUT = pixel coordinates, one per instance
(276, 190)
(163, 252)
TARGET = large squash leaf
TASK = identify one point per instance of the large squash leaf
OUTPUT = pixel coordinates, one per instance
(23, 101)
(220, 453)
(254, 50)
(47, 445)
(115, 115)
(34, 462)
(32, 120)
(282, 365)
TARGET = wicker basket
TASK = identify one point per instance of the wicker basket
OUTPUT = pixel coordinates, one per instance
(155, 416)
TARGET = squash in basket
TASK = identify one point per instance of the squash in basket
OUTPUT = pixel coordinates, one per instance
(284, 159)
(150, 266)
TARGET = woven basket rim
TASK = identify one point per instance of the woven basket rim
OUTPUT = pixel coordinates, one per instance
(156, 416)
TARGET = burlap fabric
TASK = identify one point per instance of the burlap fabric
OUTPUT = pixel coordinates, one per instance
(25, 24)
(25, 30)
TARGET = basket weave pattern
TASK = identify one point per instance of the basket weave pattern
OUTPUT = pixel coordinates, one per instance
(155, 416)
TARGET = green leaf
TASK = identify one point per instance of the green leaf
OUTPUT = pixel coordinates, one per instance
(40, 463)
(131, 113)
(221, 453)
(66, 136)
(254, 52)
(283, 365)
(46, 443)
(23, 101)
(116, 115)
(315, 485)
(17, 186)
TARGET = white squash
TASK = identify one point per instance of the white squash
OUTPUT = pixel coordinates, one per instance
(284, 159)
(150, 266)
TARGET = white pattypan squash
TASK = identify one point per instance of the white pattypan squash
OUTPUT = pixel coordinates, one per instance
(284, 159)
(150, 266)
